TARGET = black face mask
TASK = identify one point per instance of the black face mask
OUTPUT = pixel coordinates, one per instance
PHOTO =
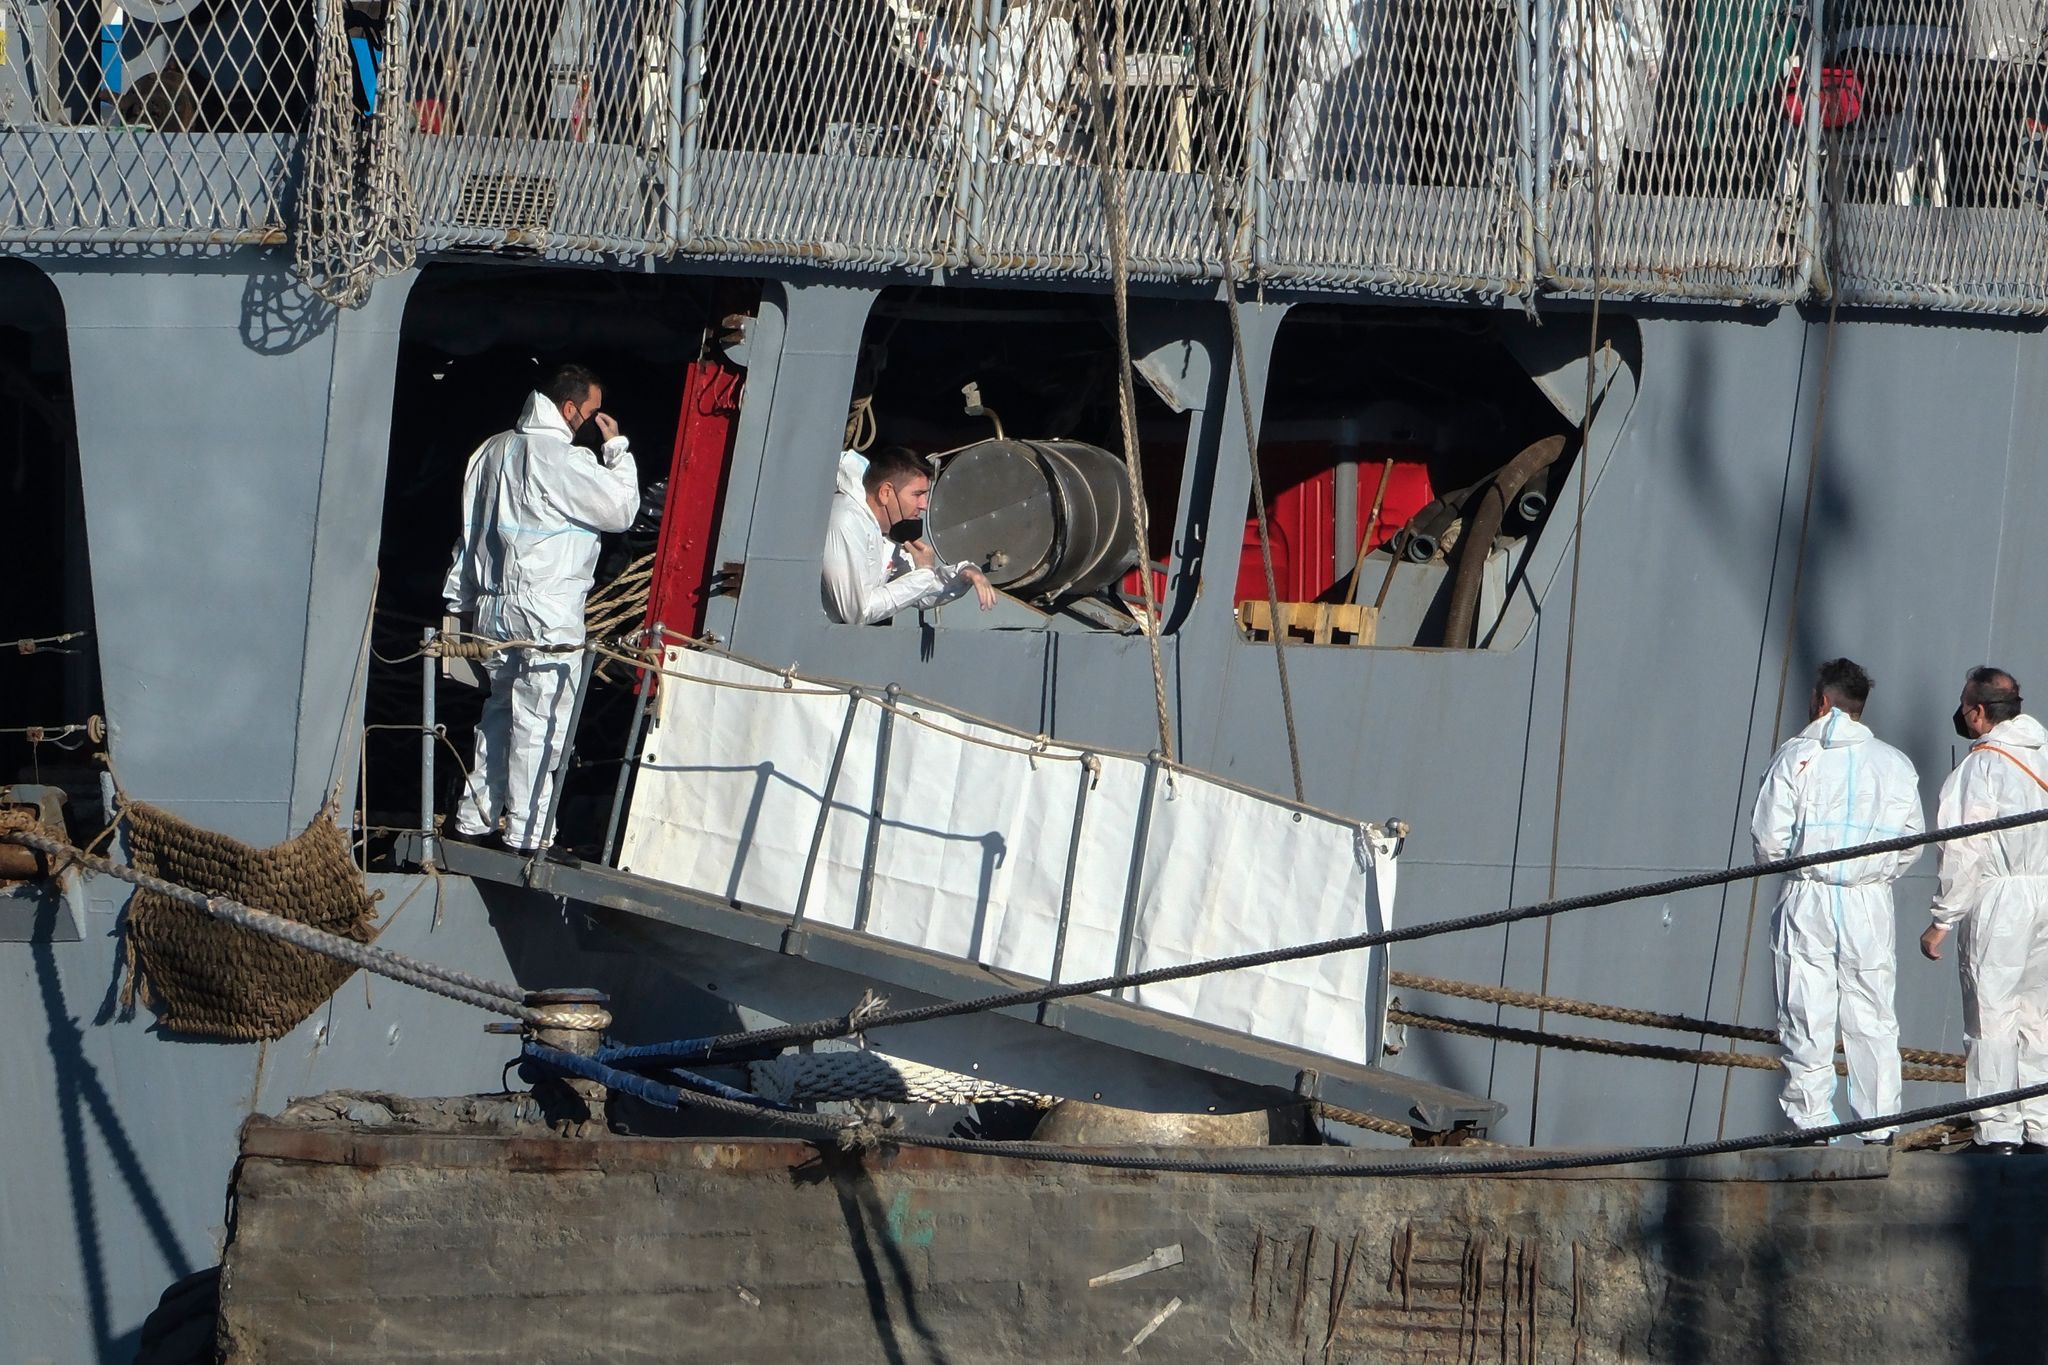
(588, 435)
(1962, 730)
(907, 530)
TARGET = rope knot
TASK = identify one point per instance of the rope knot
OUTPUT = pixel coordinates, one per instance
(870, 1005)
(875, 1123)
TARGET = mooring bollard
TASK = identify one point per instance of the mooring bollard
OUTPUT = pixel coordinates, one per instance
(574, 1021)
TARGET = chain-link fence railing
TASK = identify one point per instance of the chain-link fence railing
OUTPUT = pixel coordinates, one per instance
(1677, 156)
(150, 120)
(1395, 148)
(544, 124)
(825, 130)
(1748, 150)
(1939, 152)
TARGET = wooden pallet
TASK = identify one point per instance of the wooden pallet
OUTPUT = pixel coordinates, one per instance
(1317, 623)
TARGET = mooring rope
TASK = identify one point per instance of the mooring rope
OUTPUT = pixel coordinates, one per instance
(1617, 1047)
(1623, 1014)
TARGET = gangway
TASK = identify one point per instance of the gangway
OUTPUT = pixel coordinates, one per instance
(820, 838)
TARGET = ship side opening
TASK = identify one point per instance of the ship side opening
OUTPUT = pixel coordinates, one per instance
(1014, 396)
(475, 341)
(50, 698)
(1412, 462)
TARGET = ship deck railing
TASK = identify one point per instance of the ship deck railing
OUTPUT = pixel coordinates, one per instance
(1465, 148)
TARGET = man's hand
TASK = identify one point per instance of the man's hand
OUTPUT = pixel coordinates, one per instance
(984, 591)
(922, 555)
(1930, 942)
(607, 425)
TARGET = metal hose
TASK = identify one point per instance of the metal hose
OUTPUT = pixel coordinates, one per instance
(1481, 529)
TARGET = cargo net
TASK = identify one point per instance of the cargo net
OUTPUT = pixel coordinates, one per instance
(546, 124)
(160, 121)
(1392, 146)
(206, 977)
(1687, 118)
(1936, 118)
(355, 220)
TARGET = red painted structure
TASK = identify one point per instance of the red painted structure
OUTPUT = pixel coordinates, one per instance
(696, 495)
(1301, 510)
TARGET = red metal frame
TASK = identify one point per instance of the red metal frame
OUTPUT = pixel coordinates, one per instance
(696, 495)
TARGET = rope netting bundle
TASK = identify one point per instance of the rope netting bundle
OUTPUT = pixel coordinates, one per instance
(203, 976)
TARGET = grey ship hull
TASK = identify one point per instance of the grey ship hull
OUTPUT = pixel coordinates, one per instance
(233, 459)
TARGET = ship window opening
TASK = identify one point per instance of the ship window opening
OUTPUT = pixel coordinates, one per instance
(475, 340)
(50, 697)
(1031, 483)
(1414, 416)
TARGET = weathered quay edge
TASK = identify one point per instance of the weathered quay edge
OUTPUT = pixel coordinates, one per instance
(468, 1240)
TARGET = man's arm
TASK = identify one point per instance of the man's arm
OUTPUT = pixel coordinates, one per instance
(602, 494)
(1966, 797)
(1906, 817)
(1775, 821)
(857, 588)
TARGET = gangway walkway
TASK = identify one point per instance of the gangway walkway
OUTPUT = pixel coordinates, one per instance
(876, 834)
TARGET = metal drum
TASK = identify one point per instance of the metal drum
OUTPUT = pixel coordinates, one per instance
(1044, 519)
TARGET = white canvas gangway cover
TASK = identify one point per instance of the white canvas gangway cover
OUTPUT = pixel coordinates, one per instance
(970, 858)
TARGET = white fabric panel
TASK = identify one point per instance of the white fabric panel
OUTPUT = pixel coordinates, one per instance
(972, 852)
(1228, 873)
(1031, 925)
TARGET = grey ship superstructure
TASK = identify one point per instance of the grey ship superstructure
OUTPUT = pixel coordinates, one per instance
(276, 268)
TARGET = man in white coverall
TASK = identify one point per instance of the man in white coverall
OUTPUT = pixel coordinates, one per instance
(876, 562)
(1832, 785)
(533, 505)
(1996, 887)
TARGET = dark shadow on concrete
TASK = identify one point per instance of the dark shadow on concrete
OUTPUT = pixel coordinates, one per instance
(81, 1100)
(2006, 1246)
(871, 1231)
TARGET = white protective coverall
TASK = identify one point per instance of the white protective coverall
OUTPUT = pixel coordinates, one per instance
(867, 577)
(1331, 38)
(1995, 887)
(1832, 785)
(1628, 37)
(533, 505)
(1032, 58)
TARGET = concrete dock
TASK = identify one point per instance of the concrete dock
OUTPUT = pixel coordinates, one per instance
(474, 1240)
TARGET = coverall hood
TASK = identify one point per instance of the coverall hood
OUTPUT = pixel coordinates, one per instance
(853, 467)
(1836, 730)
(541, 415)
(2021, 732)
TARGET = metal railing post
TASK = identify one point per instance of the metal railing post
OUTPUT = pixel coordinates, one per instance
(428, 664)
(1127, 931)
(1051, 1011)
(976, 142)
(1258, 152)
(867, 861)
(1819, 264)
(644, 687)
(1530, 126)
(1540, 264)
(793, 937)
(686, 90)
